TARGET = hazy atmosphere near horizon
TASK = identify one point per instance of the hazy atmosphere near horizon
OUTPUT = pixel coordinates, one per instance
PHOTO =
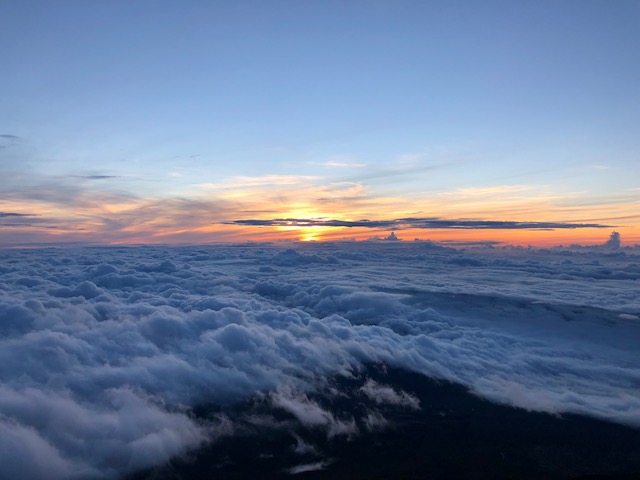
(319, 239)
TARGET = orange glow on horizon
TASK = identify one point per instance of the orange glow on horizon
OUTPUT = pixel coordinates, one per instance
(116, 220)
(233, 233)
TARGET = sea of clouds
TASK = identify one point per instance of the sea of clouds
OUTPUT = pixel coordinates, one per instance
(106, 351)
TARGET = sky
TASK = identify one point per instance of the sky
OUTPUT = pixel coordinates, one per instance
(214, 121)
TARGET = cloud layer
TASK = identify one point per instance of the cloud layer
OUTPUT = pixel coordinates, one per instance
(104, 352)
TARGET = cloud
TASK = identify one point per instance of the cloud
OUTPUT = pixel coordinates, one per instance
(307, 467)
(303, 448)
(392, 174)
(107, 352)
(25, 220)
(392, 237)
(490, 191)
(426, 223)
(343, 164)
(25, 454)
(387, 395)
(7, 140)
(13, 214)
(97, 177)
(311, 414)
(255, 182)
(112, 217)
(126, 434)
(614, 241)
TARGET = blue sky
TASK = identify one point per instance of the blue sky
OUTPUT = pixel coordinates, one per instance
(402, 101)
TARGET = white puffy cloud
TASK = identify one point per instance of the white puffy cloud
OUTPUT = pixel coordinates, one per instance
(52, 435)
(310, 414)
(307, 467)
(385, 394)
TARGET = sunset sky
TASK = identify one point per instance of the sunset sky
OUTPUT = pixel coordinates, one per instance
(215, 121)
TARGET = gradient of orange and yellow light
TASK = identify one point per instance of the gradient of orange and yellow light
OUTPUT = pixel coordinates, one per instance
(208, 213)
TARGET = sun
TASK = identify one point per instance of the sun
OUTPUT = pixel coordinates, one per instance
(301, 231)
(309, 234)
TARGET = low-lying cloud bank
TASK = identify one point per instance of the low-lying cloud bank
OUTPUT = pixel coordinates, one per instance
(105, 351)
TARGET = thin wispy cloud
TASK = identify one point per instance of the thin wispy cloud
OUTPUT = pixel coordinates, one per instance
(254, 182)
(13, 214)
(98, 177)
(491, 191)
(343, 164)
(7, 140)
(395, 173)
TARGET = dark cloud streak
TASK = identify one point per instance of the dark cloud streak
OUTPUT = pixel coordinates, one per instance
(6, 140)
(97, 177)
(423, 223)
(13, 214)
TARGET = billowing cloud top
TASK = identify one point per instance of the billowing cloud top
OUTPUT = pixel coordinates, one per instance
(105, 352)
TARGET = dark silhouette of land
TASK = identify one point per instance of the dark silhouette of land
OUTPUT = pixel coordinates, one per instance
(455, 435)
